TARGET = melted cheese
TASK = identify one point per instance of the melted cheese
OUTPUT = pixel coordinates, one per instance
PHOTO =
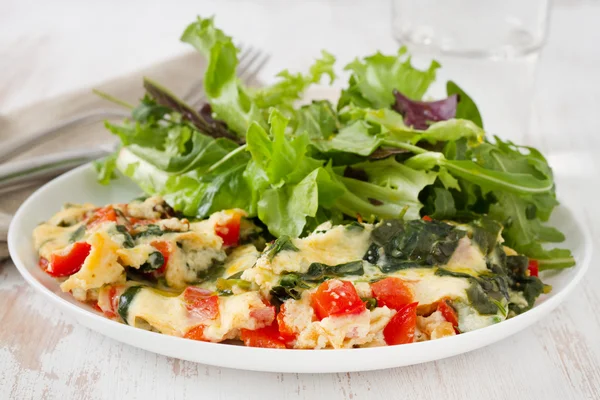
(100, 267)
(467, 258)
(198, 253)
(235, 313)
(240, 259)
(164, 314)
(135, 257)
(336, 246)
(49, 238)
(70, 215)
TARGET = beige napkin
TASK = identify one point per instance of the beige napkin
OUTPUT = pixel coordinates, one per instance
(177, 74)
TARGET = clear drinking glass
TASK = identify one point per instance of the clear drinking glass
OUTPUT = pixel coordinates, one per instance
(488, 47)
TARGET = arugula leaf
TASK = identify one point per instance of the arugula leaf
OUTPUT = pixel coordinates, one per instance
(375, 77)
(228, 99)
(392, 189)
(440, 204)
(167, 99)
(466, 109)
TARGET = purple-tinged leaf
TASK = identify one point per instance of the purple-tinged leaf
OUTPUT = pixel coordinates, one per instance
(420, 114)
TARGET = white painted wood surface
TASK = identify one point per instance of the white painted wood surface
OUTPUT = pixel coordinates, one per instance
(51, 48)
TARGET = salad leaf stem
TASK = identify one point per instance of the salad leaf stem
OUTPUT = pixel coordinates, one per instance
(113, 99)
(227, 157)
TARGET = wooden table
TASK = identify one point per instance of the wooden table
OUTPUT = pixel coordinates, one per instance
(54, 48)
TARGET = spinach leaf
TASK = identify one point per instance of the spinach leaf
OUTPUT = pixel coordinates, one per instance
(409, 244)
(77, 235)
(283, 243)
(125, 301)
(318, 272)
(151, 230)
(155, 261)
(128, 242)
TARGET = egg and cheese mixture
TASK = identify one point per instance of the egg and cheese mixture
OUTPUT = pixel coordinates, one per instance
(341, 286)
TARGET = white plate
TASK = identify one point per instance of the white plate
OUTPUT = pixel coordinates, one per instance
(80, 186)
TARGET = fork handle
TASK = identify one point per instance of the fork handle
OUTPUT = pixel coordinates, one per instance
(14, 147)
(46, 166)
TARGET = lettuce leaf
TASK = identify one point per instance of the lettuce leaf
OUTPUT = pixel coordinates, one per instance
(229, 100)
(375, 77)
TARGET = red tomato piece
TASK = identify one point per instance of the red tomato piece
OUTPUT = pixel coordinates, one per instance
(264, 337)
(285, 331)
(336, 297)
(196, 333)
(449, 313)
(392, 292)
(229, 230)
(43, 263)
(104, 214)
(401, 328)
(68, 264)
(426, 218)
(201, 303)
(264, 315)
(165, 250)
(534, 268)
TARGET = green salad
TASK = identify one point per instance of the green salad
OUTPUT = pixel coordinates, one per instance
(384, 151)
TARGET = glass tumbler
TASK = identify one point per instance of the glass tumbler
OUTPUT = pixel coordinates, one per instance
(490, 48)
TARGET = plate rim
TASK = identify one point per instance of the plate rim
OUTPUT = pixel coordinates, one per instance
(126, 334)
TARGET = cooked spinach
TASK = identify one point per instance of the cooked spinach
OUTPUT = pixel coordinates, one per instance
(284, 243)
(225, 286)
(409, 244)
(125, 301)
(77, 235)
(318, 272)
(128, 242)
(370, 302)
(151, 230)
(210, 274)
(291, 284)
(155, 261)
(485, 233)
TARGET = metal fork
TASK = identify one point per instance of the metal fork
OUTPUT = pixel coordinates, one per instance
(15, 175)
(251, 62)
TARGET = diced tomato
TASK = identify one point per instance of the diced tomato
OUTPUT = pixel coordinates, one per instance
(534, 268)
(43, 263)
(285, 331)
(264, 315)
(201, 303)
(263, 337)
(104, 214)
(229, 230)
(426, 218)
(70, 263)
(196, 333)
(165, 250)
(97, 307)
(392, 292)
(449, 313)
(401, 328)
(336, 297)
